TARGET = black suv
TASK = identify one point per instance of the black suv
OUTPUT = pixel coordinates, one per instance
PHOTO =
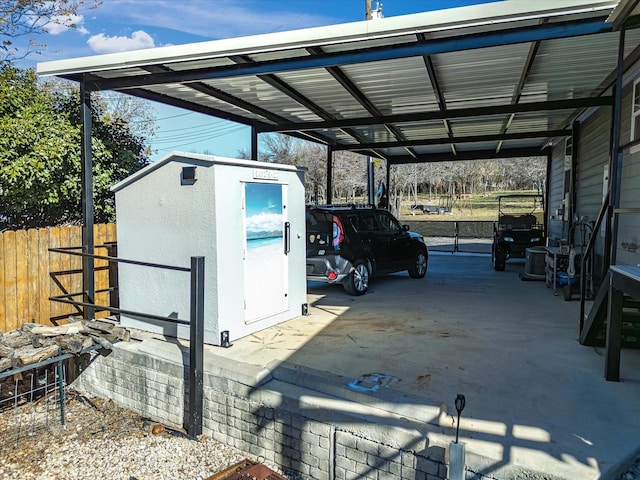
(350, 244)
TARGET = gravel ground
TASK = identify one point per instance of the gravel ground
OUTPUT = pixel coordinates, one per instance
(101, 440)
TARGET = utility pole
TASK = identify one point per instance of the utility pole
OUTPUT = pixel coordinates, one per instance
(372, 14)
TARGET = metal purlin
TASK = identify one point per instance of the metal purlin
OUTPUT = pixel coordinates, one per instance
(329, 195)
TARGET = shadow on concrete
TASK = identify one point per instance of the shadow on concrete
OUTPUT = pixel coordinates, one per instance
(537, 402)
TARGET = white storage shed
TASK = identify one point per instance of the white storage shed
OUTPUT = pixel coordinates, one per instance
(246, 218)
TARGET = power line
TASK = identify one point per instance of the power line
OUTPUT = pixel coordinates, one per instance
(204, 125)
(202, 139)
(202, 132)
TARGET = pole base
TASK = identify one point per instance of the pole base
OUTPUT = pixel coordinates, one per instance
(456, 461)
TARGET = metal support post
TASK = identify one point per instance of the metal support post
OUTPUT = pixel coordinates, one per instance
(114, 296)
(329, 175)
(615, 169)
(614, 335)
(88, 273)
(254, 143)
(371, 186)
(547, 182)
(388, 206)
(196, 347)
(61, 387)
(575, 139)
(455, 237)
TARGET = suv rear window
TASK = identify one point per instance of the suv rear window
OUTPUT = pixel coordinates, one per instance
(322, 232)
(377, 222)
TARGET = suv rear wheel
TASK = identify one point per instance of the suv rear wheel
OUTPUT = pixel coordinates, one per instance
(357, 282)
(418, 268)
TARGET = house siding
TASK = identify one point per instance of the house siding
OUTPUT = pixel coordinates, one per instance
(628, 242)
(593, 151)
(556, 195)
(593, 157)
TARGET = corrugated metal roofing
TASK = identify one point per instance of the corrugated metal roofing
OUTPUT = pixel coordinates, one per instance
(503, 77)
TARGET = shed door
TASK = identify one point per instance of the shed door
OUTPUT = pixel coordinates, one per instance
(266, 275)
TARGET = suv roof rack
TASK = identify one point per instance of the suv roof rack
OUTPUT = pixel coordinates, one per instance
(344, 206)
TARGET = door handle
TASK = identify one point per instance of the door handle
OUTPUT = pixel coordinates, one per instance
(287, 238)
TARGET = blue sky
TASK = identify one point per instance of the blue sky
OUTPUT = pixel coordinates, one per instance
(264, 208)
(119, 25)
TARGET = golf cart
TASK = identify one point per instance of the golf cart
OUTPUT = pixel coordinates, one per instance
(519, 227)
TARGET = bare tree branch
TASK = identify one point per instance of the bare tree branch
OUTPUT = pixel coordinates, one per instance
(19, 18)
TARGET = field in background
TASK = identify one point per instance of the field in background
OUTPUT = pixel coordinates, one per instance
(472, 215)
(483, 207)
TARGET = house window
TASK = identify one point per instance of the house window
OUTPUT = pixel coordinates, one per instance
(635, 112)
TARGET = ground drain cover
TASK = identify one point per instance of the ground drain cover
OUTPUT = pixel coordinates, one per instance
(371, 382)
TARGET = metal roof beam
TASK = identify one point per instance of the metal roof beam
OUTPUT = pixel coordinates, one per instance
(195, 107)
(285, 88)
(623, 12)
(474, 155)
(288, 90)
(435, 84)
(346, 83)
(412, 49)
(517, 92)
(221, 114)
(447, 114)
(223, 96)
(469, 139)
(526, 69)
(350, 87)
(608, 82)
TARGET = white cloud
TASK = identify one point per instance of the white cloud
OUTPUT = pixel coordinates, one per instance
(61, 24)
(102, 43)
(228, 18)
(264, 222)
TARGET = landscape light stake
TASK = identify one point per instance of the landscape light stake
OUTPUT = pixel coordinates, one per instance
(457, 450)
(460, 403)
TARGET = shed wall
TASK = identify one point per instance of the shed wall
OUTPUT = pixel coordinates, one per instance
(163, 219)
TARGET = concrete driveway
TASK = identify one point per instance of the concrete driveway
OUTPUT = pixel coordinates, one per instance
(535, 398)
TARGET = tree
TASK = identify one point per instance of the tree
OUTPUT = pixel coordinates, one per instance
(40, 153)
(313, 156)
(278, 148)
(19, 18)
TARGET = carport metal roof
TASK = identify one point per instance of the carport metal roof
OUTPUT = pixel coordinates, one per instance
(485, 81)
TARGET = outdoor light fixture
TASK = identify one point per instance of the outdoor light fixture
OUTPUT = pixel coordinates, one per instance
(460, 403)
(188, 176)
(457, 450)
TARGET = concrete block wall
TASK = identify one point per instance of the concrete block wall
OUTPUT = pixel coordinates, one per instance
(151, 388)
(273, 422)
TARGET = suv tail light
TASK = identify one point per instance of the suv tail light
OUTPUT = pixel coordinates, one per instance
(338, 232)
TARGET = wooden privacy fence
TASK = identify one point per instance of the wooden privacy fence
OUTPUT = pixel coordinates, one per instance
(30, 274)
